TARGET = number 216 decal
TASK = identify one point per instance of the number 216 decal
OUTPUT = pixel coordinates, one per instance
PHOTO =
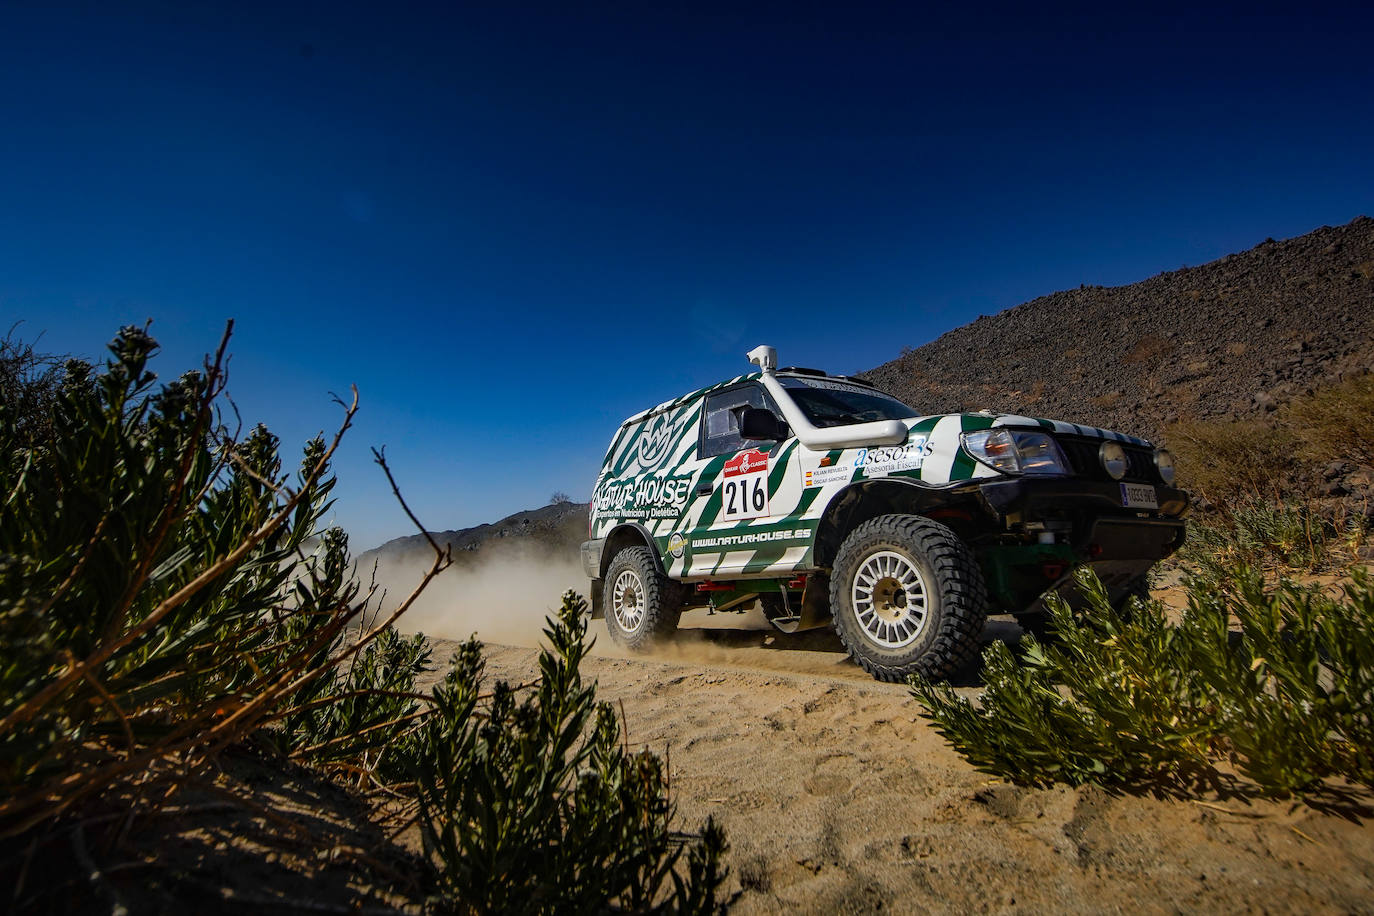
(744, 486)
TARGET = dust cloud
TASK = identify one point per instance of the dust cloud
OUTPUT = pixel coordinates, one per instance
(502, 592)
(742, 640)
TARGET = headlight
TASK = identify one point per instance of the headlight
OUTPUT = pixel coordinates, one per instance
(1164, 463)
(1113, 458)
(1015, 451)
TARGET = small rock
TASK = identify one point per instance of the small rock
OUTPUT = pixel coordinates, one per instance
(1333, 488)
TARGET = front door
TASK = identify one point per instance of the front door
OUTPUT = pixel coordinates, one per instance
(733, 514)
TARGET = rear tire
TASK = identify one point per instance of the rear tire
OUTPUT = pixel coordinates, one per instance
(908, 598)
(642, 604)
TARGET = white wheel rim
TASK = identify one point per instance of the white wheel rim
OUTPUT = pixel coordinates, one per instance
(889, 597)
(627, 601)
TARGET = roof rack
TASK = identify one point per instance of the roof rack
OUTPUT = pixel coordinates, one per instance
(817, 373)
(856, 380)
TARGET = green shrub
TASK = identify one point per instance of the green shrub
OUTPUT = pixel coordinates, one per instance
(1107, 700)
(165, 594)
(532, 804)
(1333, 422)
(1300, 689)
(157, 598)
(1287, 697)
(360, 720)
(1228, 462)
(1257, 532)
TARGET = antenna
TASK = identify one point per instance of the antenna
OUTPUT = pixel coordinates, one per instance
(765, 357)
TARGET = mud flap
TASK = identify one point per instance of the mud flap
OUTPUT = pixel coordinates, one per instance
(597, 611)
(814, 611)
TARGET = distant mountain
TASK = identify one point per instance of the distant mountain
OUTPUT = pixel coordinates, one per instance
(559, 527)
(1229, 339)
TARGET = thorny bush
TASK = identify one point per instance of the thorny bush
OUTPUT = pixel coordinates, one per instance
(163, 592)
(166, 592)
(1258, 481)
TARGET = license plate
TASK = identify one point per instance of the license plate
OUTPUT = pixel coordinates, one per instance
(1138, 496)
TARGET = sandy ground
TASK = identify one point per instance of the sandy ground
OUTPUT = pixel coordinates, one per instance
(837, 798)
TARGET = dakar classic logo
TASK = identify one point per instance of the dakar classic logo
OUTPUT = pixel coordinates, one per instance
(745, 463)
(658, 436)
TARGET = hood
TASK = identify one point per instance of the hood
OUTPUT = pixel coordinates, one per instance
(1067, 429)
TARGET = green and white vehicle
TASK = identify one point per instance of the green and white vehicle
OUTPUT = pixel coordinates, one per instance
(824, 499)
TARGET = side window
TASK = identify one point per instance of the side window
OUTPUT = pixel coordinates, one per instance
(720, 433)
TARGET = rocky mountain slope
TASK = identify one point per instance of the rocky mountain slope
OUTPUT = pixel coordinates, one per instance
(1229, 339)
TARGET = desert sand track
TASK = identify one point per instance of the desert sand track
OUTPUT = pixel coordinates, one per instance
(838, 798)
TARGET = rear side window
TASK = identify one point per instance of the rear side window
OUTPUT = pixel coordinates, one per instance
(720, 433)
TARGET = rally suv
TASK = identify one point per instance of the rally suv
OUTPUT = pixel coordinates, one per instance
(822, 499)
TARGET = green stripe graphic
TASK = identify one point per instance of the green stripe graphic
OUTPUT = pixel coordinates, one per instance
(963, 466)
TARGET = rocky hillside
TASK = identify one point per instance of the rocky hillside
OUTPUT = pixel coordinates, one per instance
(1233, 338)
(557, 526)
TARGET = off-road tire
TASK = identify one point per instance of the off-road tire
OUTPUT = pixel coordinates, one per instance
(642, 605)
(955, 598)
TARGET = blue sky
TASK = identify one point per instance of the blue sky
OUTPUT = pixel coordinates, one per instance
(511, 225)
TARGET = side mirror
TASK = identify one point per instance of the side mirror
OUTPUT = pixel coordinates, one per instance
(761, 423)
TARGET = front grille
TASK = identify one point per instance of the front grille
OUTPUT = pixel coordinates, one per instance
(1082, 455)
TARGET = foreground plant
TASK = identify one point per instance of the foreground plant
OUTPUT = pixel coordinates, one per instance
(167, 594)
(1286, 696)
(163, 592)
(531, 803)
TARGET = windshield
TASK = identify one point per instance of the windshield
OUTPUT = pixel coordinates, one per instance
(829, 402)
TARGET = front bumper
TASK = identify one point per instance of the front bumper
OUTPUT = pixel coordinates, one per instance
(1089, 514)
(1057, 524)
(1020, 500)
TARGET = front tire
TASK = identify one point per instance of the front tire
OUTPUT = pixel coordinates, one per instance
(642, 604)
(908, 598)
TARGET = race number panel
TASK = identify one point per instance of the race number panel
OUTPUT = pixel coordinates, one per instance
(744, 486)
